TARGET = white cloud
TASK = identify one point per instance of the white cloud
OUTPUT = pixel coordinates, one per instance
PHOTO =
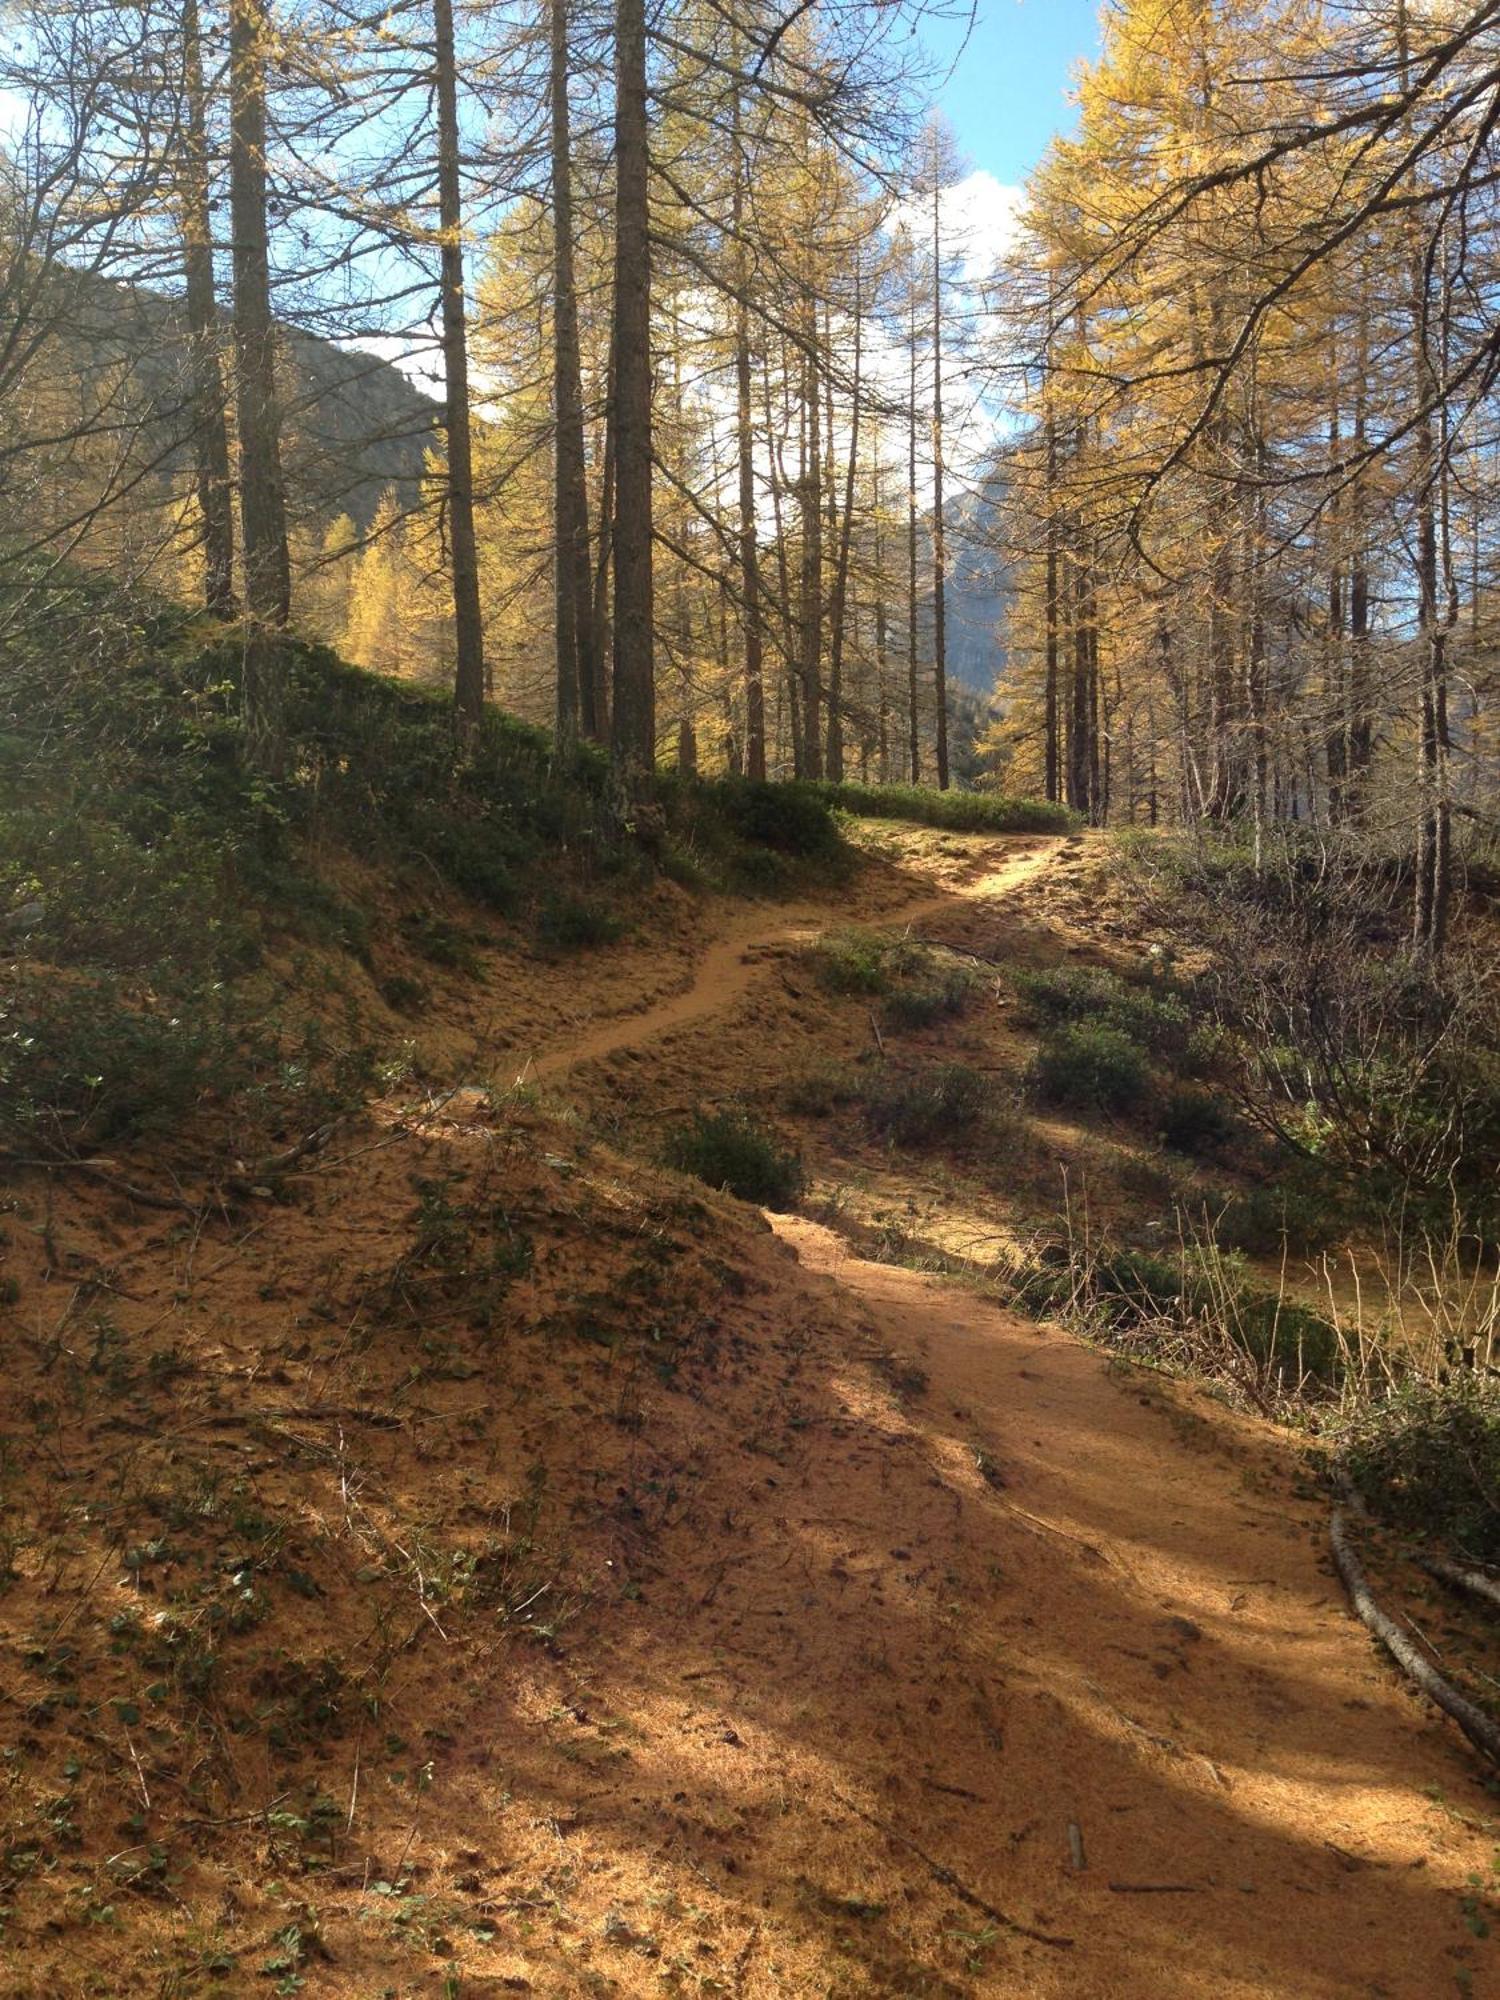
(980, 219)
(985, 221)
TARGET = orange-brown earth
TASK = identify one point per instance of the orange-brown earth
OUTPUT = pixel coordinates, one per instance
(500, 1566)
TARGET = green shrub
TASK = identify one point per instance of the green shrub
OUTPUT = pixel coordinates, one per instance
(1295, 1343)
(476, 857)
(102, 897)
(1090, 1066)
(403, 994)
(918, 987)
(791, 818)
(817, 1093)
(572, 923)
(83, 1067)
(1189, 1310)
(1193, 1120)
(758, 871)
(442, 942)
(86, 1063)
(132, 762)
(1124, 1286)
(1382, 1063)
(1427, 1459)
(1157, 1019)
(947, 994)
(757, 838)
(1301, 1212)
(959, 812)
(924, 1107)
(733, 1151)
(858, 961)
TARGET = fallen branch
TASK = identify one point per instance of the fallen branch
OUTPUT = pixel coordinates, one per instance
(1475, 1581)
(1482, 1731)
(252, 1180)
(94, 1171)
(1152, 1888)
(964, 951)
(950, 1881)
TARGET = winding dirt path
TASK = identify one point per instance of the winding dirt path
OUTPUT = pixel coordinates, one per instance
(731, 964)
(1145, 1722)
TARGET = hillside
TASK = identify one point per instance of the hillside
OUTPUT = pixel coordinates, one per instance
(113, 360)
(448, 1550)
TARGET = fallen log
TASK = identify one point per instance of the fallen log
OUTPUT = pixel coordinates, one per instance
(1482, 1731)
(1474, 1581)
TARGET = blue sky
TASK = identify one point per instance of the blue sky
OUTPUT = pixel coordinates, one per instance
(1008, 93)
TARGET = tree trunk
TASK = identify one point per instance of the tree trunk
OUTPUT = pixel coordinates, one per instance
(911, 547)
(468, 629)
(577, 662)
(939, 581)
(811, 518)
(755, 693)
(602, 630)
(210, 431)
(1361, 731)
(1051, 783)
(841, 572)
(268, 581)
(634, 737)
(1335, 674)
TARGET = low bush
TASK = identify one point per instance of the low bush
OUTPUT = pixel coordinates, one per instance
(403, 994)
(944, 994)
(733, 1151)
(854, 961)
(92, 893)
(81, 1066)
(1156, 1018)
(820, 1092)
(1090, 1066)
(1193, 1120)
(86, 1063)
(791, 818)
(1297, 1346)
(757, 838)
(917, 985)
(1346, 1048)
(1300, 1212)
(442, 943)
(867, 962)
(573, 923)
(923, 1107)
(1198, 1311)
(1427, 1459)
(958, 812)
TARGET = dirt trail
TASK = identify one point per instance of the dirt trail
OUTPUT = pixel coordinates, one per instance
(730, 965)
(1145, 1721)
(1252, 1790)
(740, 1617)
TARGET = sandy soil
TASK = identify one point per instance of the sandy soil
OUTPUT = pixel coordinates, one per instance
(681, 1607)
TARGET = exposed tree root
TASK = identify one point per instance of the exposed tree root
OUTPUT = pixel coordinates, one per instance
(247, 1182)
(950, 1881)
(1480, 1729)
(95, 1170)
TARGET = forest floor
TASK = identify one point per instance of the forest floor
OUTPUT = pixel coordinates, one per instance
(500, 1565)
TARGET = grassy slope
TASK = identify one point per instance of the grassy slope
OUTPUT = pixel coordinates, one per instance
(203, 957)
